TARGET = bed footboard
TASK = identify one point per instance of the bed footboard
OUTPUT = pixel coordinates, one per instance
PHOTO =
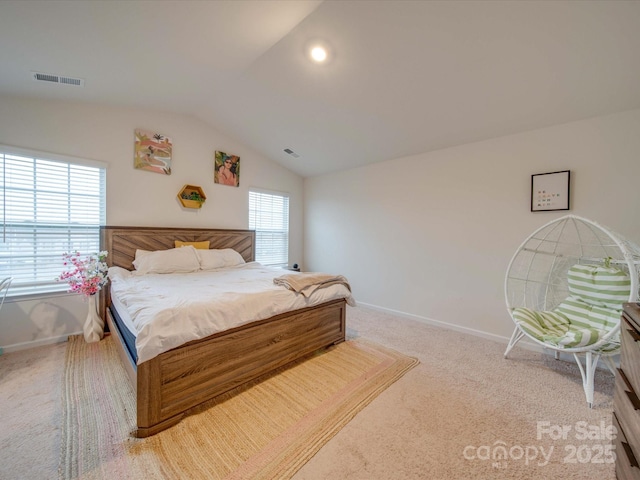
(170, 385)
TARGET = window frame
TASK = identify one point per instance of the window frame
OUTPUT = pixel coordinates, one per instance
(284, 255)
(19, 291)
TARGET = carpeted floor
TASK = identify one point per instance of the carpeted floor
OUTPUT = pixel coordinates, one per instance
(464, 412)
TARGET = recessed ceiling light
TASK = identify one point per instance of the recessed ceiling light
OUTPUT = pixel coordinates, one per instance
(319, 54)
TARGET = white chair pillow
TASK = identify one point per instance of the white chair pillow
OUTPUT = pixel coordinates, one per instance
(173, 260)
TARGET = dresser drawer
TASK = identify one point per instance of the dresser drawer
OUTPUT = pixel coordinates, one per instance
(630, 353)
(627, 467)
(627, 409)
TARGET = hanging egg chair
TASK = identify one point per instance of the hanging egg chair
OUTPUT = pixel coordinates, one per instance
(565, 288)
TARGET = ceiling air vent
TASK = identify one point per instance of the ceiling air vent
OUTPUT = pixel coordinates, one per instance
(291, 152)
(51, 78)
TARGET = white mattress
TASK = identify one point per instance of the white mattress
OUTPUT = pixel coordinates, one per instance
(123, 313)
(168, 310)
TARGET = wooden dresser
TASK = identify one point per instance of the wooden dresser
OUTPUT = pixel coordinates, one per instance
(626, 405)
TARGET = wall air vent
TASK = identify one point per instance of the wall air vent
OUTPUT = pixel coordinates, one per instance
(291, 152)
(51, 78)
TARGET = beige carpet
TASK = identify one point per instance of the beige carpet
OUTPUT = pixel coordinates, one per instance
(30, 414)
(266, 430)
(463, 393)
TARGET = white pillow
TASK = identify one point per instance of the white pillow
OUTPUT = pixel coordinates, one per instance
(173, 260)
(219, 258)
(142, 253)
(116, 273)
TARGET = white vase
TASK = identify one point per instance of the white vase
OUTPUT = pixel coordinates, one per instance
(94, 325)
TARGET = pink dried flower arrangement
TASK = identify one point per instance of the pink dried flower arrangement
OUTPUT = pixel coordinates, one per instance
(85, 275)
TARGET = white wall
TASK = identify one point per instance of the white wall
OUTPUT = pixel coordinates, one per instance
(135, 197)
(431, 235)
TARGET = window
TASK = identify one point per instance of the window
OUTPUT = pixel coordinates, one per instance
(50, 205)
(269, 217)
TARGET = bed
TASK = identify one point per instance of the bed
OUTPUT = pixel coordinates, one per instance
(171, 384)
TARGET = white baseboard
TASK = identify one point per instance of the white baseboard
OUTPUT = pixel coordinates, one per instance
(449, 326)
(36, 343)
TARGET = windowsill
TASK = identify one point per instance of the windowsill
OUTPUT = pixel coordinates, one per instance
(37, 296)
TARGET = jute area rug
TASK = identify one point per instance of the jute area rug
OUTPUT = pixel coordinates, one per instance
(265, 430)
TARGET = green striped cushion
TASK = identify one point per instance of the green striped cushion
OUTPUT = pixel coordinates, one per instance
(583, 315)
(575, 337)
(540, 324)
(612, 346)
(573, 324)
(590, 312)
(599, 285)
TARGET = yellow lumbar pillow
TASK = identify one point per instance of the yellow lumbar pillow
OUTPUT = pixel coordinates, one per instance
(200, 245)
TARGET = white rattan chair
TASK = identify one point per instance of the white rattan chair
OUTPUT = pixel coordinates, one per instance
(537, 284)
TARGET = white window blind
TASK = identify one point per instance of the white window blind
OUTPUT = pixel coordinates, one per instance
(269, 217)
(50, 205)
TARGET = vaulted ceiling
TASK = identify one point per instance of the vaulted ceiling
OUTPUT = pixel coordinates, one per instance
(402, 77)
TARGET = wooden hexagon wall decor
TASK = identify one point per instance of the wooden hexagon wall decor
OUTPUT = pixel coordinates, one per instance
(192, 196)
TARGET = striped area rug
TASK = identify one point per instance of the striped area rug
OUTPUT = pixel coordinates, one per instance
(265, 430)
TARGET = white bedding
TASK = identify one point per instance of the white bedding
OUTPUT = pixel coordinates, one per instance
(168, 310)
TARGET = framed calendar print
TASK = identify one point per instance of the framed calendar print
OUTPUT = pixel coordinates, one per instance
(550, 191)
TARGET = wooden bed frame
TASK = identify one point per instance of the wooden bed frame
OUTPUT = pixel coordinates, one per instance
(170, 385)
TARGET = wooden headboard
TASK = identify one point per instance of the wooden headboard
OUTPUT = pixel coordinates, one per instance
(122, 242)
